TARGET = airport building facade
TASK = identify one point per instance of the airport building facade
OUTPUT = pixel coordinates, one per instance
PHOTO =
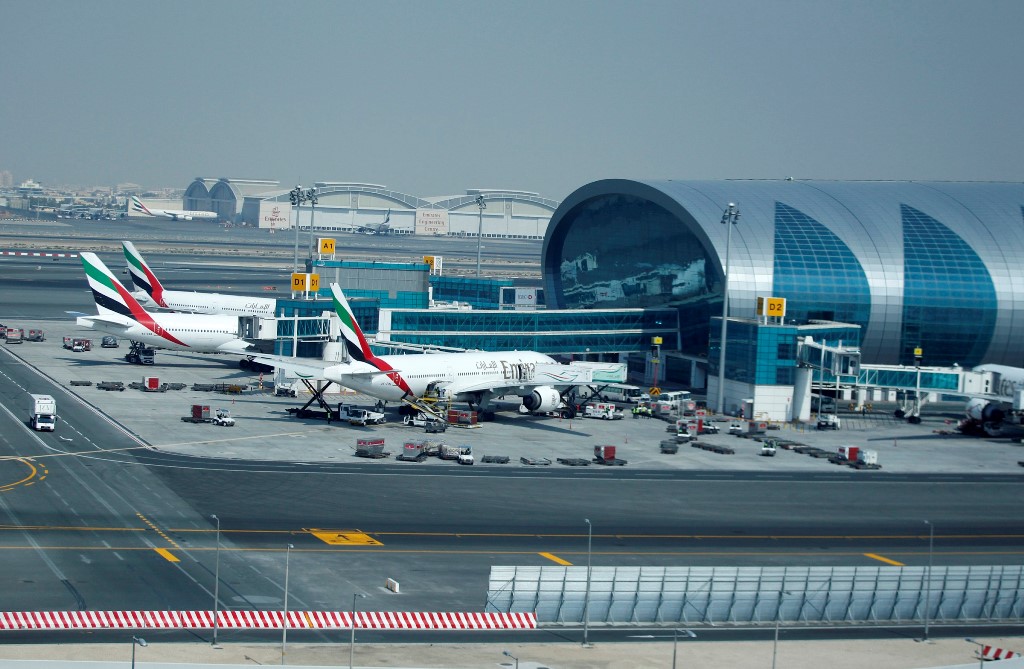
(935, 266)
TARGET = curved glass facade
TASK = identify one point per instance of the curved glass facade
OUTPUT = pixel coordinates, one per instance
(938, 265)
(816, 272)
(949, 300)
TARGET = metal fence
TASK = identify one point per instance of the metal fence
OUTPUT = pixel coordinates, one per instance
(723, 595)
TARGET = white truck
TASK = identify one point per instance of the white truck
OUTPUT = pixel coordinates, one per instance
(357, 416)
(42, 413)
(605, 411)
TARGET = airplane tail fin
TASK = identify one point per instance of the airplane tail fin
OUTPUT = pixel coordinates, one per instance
(138, 206)
(356, 344)
(355, 341)
(110, 296)
(142, 275)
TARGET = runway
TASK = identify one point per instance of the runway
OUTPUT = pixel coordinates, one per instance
(91, 519)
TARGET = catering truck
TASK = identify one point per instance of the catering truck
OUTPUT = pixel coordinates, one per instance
(42, 413)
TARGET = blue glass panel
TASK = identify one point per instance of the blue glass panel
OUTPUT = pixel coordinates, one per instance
(816, 271)
(949, 300)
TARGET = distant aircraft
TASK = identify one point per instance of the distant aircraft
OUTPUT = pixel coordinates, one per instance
(120, 314)
(150, 292)
(382, 228)
(175, 214)
(986, 414)
(474, 377)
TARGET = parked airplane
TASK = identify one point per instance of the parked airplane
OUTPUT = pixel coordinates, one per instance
(986, 414)
(475, 377)
(120, 314)
(176, 214)
(382, 228)
(150, 292)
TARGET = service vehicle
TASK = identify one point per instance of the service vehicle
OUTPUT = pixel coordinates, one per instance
(35, 335)
(768, 447)
(357, 416)
(42, 413)
(830, 422)
(285, 390)
(603, 410)
(622, 392)
(15, 335)
(736, 428)
(223, 418)
(109, 341)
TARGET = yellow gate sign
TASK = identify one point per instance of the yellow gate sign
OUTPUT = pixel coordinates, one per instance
(326, 246)
(305, 283)
(774, 307)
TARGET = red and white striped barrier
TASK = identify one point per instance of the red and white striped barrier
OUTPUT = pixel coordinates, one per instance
(993, 653)
(380, 620)
(38, 254)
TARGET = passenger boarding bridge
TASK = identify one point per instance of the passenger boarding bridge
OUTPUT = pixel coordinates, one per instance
(836, 370)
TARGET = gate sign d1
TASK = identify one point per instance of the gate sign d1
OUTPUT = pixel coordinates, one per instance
(772, 307)
(305, 283)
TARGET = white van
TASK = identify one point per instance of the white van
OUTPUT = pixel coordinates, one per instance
(621, 392)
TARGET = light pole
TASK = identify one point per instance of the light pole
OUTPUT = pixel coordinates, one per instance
(928, 582)
(675, 642)
(284, 621)
(297, 197)
(311, 198)
(981, 655)
(730, 217)
(216, 582)
(137, 641)
(479, 230)
(352, 639)
(508, 654)
(586, 596)
(778, 617)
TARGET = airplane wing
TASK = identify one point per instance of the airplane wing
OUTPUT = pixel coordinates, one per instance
(304, 368)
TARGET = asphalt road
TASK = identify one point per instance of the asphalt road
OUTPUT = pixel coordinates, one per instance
(96, 522)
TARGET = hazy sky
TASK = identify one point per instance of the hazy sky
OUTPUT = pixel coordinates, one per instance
(432, 98)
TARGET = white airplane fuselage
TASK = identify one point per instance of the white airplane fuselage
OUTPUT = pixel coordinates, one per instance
(211, 303)
(196, 333)
(469, 375)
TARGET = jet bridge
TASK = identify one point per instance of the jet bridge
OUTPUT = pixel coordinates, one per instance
(838, 368)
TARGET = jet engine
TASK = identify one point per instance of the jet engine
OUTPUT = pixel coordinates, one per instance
(986, 414)
(543, 399)
(187, 218)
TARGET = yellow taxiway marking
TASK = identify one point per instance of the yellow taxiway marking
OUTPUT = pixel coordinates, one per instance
(884, 559)
(344, 537)
(167, 555)
(33, 473)
(555, 558)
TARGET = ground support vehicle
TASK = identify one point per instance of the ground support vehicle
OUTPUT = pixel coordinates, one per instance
(356, 416)
(413, 451)
(829, 422)
(669, 446)
(15, 335)
(138, 354)
(35, 335)
(111, 385)
(495, 459)
(534, 461)
(110, 341)
(602, 410)
(285, 390)
(201, 413)
(371, 448)
(42, 413)
(768, 447)
(605, 455)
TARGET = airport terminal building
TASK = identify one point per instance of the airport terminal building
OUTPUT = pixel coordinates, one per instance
(932, 265)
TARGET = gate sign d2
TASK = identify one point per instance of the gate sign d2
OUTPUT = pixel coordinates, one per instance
(305, 283)
(772, 307)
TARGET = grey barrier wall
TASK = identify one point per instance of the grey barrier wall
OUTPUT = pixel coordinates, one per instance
(724, 595)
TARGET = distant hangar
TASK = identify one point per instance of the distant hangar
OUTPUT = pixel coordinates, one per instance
(373, 209)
